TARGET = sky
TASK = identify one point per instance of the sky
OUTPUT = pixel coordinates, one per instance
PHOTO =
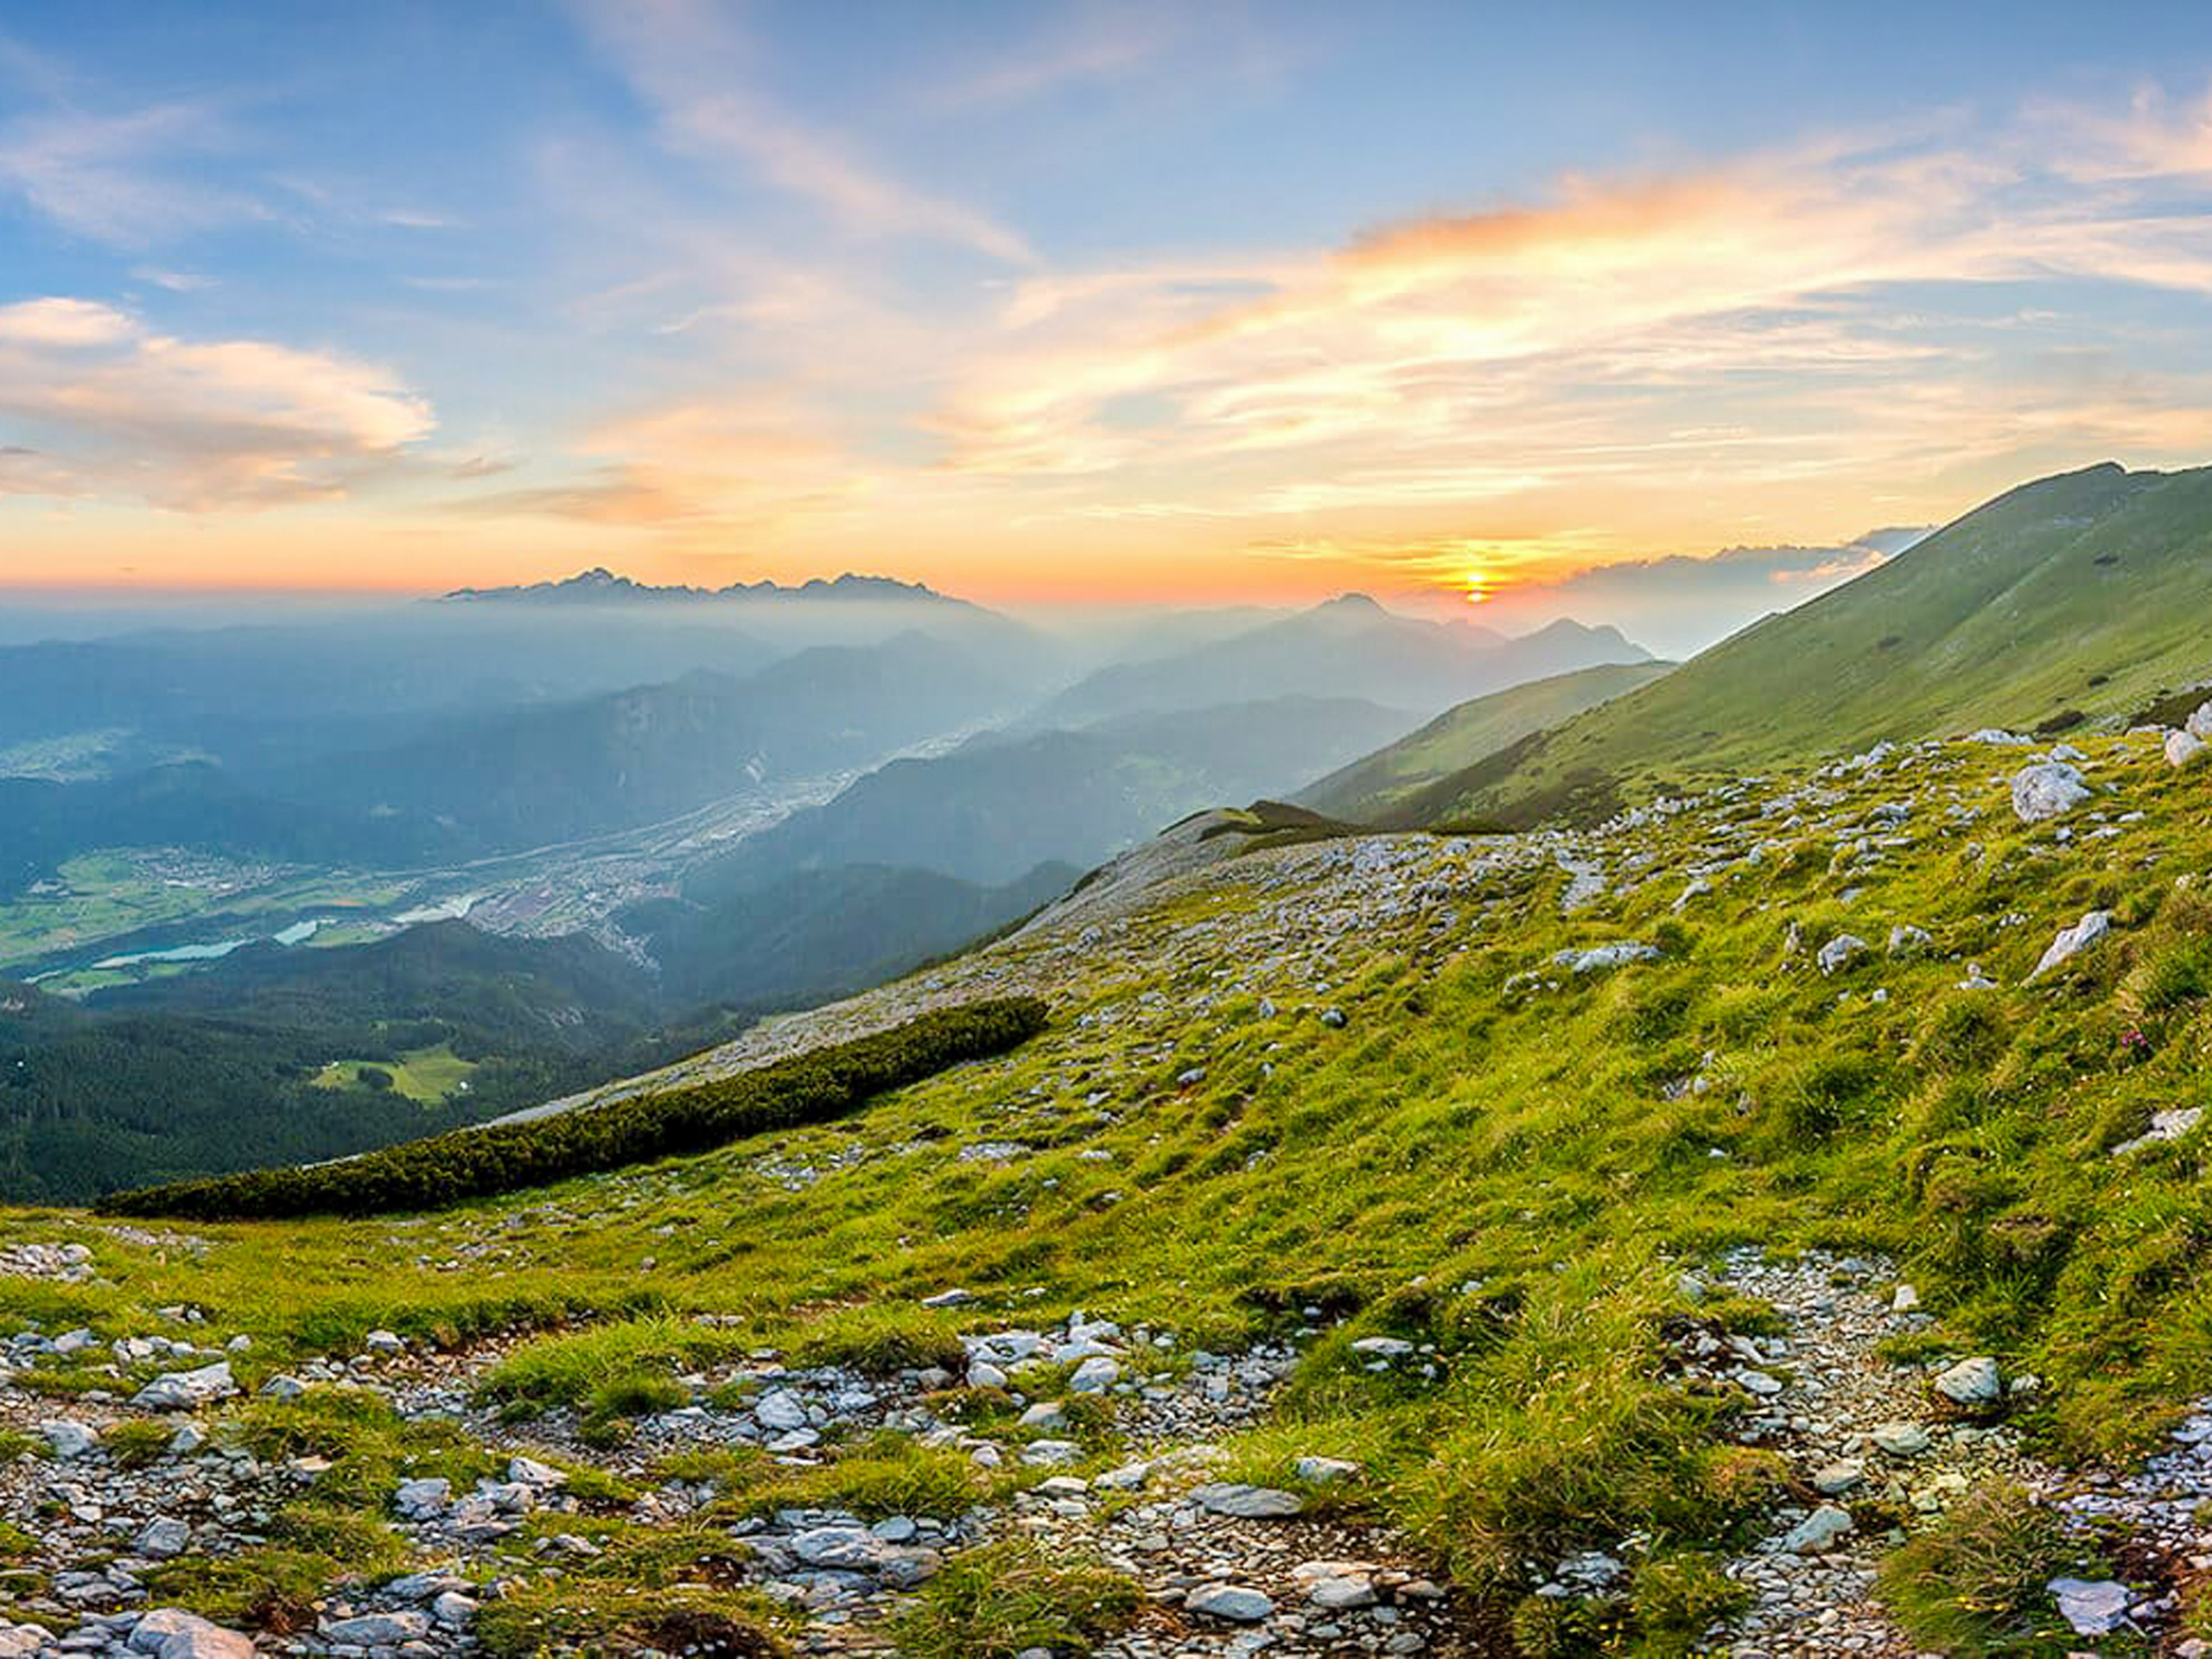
(1503, 310)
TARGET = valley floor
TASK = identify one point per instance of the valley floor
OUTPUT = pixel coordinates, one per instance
(1715, 1232)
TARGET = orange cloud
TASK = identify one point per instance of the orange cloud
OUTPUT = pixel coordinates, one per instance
(118, 411)
(711, 471)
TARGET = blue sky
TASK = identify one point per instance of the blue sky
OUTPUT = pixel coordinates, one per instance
(1045, 302)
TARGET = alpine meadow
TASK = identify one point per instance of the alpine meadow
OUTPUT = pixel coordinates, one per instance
(1038, 831)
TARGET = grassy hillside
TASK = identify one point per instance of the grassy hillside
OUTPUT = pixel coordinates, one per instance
(2076, 596)
(1559, 1256)
(1372, 789)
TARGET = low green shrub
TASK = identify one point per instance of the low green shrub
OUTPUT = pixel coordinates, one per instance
(667, 1590)
(881, 1340)
(887, 1474)
(446, 1169)
(136, 1441)
(1976, 1582)
(1678, 1598)
(606, 1363)
(996, 1602)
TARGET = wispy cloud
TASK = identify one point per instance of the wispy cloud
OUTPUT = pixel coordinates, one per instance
(694, 68)
(176, 281)
(117, 179)
(1807, 315)
(1091, 45)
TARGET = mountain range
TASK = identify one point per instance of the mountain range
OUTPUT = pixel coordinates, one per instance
(1770, 1223)
(1348, 647)
(599, 586)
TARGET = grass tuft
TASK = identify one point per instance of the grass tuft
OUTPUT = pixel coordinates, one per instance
(996, 1602)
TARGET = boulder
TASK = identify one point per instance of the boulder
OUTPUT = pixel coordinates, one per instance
(187, 1390)
(851, 1549)
(2184, 749)
(2072, 941)
(1838, 1478)
(1238, 1604)
(902, 1569)
(2091, 1606)
(781, 1410)
(1246, 1502)
(1324, 1471)
(1900, 1440)
(424, 1499)
(1907, 941)
(1598, 959)
(1342, 1594)
(529, 1471)
(161, 1537)
(2168, 1125)
(1841, 952)
(1975, 1382)
(1095, 1375)
(2199, 725)
(377, 1630)
(1817, 1531)
(172, 1633)
(2048, 788)
(68, 1440)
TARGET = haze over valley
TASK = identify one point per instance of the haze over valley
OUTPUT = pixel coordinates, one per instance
(1105, 831)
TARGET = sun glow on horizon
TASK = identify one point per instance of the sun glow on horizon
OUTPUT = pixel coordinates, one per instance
(814, 314)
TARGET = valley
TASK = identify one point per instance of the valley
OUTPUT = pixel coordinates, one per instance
(1677, 1210)
(1686, 1366)
(1095, 831)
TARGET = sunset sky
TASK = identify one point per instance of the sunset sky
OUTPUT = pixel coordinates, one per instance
(1198, 302)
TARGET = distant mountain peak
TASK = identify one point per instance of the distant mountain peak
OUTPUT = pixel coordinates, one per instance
(1566, 628)
(1350, 604)
(601, 585)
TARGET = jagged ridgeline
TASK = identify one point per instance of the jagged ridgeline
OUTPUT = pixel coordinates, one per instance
(505, 1158)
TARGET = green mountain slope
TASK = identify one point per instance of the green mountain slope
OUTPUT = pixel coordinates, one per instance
(1350, 1150)
(2080, 594)
(1371, 791)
